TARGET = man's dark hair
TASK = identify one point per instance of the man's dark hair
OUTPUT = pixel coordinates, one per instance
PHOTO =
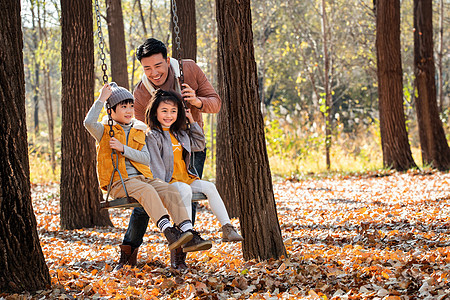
(150, 47)
(124, 102)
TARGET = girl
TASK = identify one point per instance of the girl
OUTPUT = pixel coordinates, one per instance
(170, 144)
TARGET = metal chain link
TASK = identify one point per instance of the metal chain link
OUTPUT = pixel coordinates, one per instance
(176, 29)
(101, 45)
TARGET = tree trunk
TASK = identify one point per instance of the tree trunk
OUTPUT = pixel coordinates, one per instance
(144, 28)
(36, 40)
(50, 117)
(394, 138)
(225, 172)
(22, 264)
(36, 98)
(141, 14)
(43, 33)
(440, 56)
(187, 30)
(117, 46)
(326, 82)
(435, 150)
(242, 164)
(80, 192)
(212, 53)
(150, 21)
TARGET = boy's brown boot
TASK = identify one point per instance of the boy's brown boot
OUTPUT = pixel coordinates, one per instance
(197, 243)
(128, 256)
(176, 238)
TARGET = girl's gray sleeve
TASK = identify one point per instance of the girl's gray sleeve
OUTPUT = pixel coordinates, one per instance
(198, 140)
(156, 161)
(91, 123)
(140, 156)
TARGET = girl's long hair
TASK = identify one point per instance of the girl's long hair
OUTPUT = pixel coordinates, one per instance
(166, 96)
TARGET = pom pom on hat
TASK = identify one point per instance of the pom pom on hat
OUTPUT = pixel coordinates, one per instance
(118, 94)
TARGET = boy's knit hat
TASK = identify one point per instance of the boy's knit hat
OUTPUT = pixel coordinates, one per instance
(118, 94)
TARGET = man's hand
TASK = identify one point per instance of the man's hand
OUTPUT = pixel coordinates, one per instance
(115, 144)
(189, 116)
(189, 95)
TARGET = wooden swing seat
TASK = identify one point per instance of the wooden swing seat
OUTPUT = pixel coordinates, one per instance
(124, 203)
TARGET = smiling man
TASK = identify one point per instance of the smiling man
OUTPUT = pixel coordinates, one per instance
(162, 72)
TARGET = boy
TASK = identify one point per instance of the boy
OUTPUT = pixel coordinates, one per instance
(158, 198)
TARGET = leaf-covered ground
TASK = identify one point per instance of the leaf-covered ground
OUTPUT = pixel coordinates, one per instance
(358, 237)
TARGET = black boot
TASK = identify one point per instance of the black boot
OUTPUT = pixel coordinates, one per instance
(128, 256)
(132, 260)
(178, 260)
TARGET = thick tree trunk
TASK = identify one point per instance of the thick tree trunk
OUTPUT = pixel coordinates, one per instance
(225, 171)
(242, 153)
(80, 194)
(394, 138)
(187, 29)
(435, 150)
(213, 77)
(22, 264)
(116, 32)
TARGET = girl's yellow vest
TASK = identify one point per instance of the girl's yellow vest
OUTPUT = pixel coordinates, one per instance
(136, 140)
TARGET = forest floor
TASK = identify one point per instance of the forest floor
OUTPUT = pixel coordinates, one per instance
(370, 236)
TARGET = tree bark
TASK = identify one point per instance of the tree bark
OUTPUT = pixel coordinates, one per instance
(116, 32)
(435, 150)
(22, 264)
(187, 30)
(394, 138)
(242, 164)
(80, 192)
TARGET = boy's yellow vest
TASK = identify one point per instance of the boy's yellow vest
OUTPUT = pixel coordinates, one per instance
(136, 140)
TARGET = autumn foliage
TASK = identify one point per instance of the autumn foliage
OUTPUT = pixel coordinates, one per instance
(372, 236)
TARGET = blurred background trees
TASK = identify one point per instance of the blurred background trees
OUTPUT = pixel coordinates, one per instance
(289, 50)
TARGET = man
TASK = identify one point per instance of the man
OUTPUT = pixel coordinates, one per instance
(162, 72)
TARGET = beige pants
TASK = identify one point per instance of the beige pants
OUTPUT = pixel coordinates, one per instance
(157, 197)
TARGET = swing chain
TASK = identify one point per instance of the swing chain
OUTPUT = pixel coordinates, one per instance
(115, 162)
(101, 44)
(176, 29)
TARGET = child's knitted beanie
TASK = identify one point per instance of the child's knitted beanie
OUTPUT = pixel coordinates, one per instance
(118, 94)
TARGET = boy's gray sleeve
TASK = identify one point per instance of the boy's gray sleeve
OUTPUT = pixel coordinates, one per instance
(142, 156)
(198, 140)
(94, 127)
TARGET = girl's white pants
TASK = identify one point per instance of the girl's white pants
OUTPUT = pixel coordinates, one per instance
(210, 190)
